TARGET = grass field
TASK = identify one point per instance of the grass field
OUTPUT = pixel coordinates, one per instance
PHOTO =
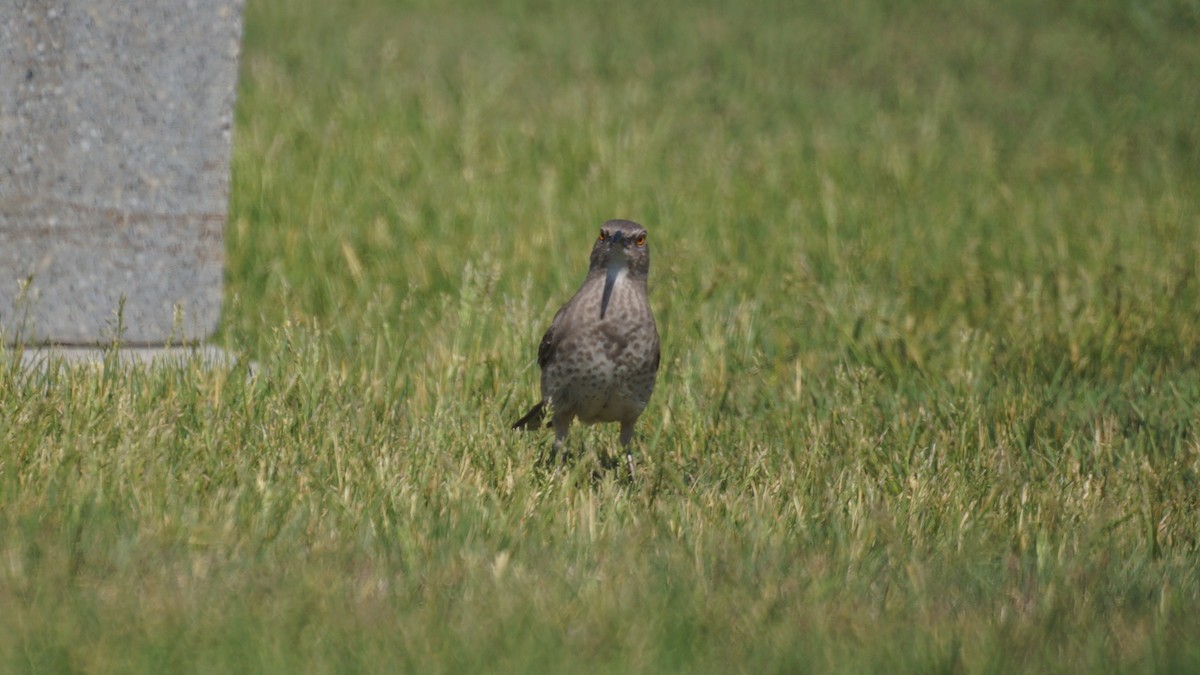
(926, 277)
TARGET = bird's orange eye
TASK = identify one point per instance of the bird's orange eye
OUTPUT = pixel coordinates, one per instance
(641, 240)
(602, 235)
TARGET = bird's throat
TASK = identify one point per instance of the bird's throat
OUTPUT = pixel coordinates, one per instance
(613, 274)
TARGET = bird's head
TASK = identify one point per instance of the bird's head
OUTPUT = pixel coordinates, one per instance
(621, 244)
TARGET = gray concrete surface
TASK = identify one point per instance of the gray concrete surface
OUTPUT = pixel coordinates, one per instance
(116, 120)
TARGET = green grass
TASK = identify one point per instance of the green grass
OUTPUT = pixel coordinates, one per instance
(926, 277)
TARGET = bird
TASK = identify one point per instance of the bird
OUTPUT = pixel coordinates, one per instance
(599, 358)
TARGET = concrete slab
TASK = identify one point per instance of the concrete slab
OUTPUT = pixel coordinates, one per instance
(116, 120)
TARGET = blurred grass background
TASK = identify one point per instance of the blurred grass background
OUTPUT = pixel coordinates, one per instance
(926, 279)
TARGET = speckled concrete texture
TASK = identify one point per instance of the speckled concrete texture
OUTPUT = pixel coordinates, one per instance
(116, 122)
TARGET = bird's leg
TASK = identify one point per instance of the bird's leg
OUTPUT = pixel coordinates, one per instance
(626, 437)
(562, 424)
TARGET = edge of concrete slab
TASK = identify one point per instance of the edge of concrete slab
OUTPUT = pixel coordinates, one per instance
(34, 357)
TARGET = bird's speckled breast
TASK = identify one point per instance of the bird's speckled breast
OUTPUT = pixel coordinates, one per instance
(608, 363)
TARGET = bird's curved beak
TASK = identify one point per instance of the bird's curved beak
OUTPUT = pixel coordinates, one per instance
(617, 244)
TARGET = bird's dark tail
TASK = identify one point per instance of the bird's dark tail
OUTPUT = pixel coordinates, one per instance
(533, 418)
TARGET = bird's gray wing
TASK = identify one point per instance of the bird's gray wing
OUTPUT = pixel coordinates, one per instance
(550, 340)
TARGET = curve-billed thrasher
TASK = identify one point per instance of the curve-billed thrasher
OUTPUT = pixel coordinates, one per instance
(599, 358)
